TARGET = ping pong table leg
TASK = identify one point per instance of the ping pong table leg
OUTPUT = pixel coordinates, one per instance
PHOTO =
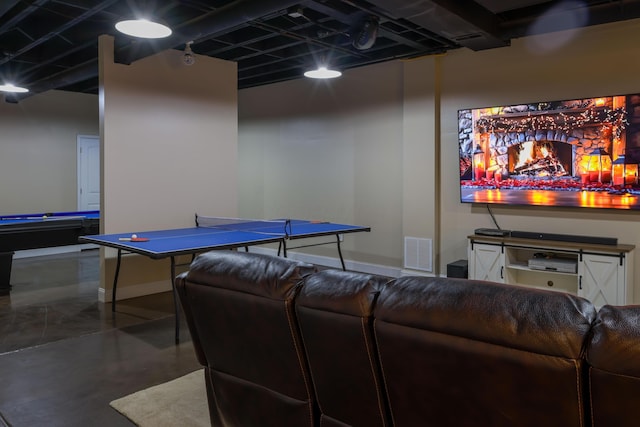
(175, 298)
(340, 252)
(115, 281)
(282, 247)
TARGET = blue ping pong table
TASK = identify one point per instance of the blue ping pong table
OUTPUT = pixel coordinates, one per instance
(217, 233)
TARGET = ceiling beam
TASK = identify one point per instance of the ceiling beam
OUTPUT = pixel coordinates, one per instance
(58, 31)
(7, 5)
(68, 77)
(219, 20)
(11, 23)
(520, 23)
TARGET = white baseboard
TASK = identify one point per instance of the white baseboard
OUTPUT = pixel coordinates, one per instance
(406, 272)
(29, 253)
(332, 262)
(134, 291)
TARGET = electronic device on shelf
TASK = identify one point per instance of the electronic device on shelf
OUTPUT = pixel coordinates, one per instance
(552, 263)
(494, 232)
(597, 240)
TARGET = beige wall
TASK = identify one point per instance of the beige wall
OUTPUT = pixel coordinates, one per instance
(169, 151)
(376, 147)
(406, 115)
(331, 151)
(38, 150)
(421, 154)
(598, 61)
(358, 150)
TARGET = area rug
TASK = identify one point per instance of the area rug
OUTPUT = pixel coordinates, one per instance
(180, 402)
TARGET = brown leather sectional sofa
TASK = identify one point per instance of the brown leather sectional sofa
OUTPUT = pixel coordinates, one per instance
(285, 345)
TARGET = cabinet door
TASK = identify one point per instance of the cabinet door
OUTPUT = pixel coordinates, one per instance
(602, 280)
(487, 263)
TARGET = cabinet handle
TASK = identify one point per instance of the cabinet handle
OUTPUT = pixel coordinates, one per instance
(580, 282)
(502, 272)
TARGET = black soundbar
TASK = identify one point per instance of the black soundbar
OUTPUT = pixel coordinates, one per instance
(565, 238)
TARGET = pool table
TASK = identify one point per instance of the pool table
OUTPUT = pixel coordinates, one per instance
(41, 230)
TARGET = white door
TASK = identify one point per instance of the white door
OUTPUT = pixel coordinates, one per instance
(601, 280)
(88, 173)
(486, 262)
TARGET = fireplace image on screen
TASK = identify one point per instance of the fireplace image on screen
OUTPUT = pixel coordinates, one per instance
(540, 159)
(555, 153)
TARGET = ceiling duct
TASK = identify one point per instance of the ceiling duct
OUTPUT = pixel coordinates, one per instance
(464, 22)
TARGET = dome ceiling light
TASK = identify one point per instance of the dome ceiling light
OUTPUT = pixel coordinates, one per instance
(143, 28)
(9, 87)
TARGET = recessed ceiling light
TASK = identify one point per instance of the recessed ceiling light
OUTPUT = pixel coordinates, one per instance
(322, 73)
(143, 28)
(8, 87)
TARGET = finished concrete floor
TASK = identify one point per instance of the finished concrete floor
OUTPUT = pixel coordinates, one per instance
(64, 356)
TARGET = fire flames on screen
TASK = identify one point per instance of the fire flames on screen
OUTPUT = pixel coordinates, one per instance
(572, 153)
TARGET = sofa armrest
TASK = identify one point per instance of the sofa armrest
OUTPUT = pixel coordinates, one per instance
(613, 356)
(179, 283)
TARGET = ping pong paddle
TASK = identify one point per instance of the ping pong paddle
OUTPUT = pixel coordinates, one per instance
(133, 239)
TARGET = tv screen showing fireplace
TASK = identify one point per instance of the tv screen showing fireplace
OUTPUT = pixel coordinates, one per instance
(571, 153)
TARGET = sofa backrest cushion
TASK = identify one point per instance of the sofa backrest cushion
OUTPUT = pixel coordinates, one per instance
(335, 310)
(613, 356)
(493, 354)
(240, 306)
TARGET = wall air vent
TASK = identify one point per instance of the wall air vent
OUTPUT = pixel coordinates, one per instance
(418, 254)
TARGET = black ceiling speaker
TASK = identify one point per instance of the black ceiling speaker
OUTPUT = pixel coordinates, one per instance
(366, 36)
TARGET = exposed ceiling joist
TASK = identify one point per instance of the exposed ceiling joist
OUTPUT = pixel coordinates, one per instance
(52, 44)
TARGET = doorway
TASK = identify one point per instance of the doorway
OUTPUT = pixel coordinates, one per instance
(88, 172)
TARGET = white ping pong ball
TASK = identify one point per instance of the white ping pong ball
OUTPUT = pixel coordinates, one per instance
(133, 236)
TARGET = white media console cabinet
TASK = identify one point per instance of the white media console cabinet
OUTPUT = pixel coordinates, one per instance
(600, 273)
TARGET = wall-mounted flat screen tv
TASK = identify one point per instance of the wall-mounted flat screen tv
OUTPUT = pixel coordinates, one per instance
(571, 153)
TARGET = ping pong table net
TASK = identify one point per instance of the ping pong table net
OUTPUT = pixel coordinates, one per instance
(244, 224)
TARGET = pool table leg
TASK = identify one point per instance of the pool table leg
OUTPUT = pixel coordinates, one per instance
(6, 259)
(115, 281)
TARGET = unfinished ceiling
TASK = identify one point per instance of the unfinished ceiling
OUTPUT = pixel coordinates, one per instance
(53, 44)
